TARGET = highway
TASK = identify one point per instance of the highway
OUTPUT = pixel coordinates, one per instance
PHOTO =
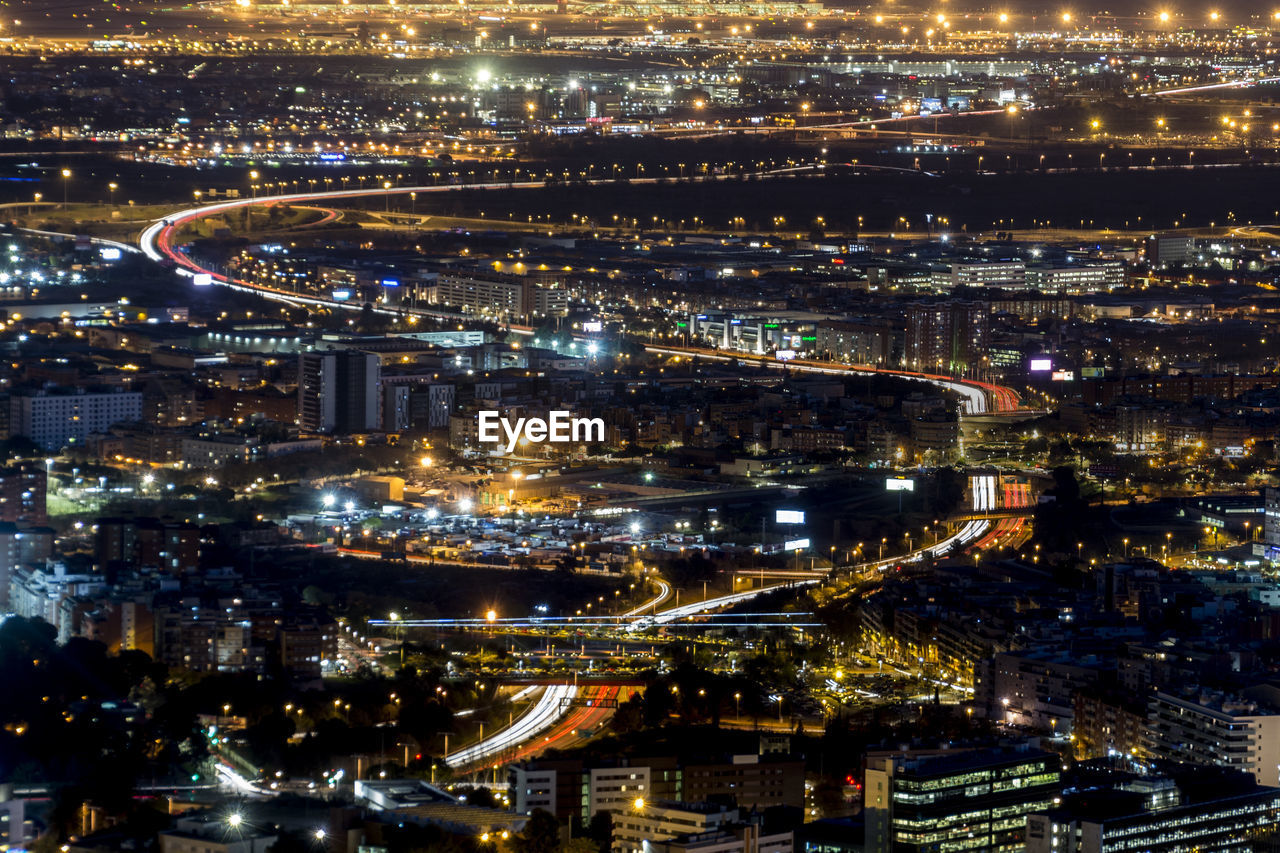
(651, 606)
(562, 715)
(976, 397)
(95, 241)
(578, 723)
(539, 717)
(687, 611)
(566, 713)
(157, 240)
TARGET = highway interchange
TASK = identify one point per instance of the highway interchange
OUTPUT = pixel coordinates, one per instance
(563, 713)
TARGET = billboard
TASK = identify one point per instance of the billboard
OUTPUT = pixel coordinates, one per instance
(1040, 365)
(899, 484)
(202, 279)
(1092, 372)
(795, 544)
(789, 516)
(593, 326)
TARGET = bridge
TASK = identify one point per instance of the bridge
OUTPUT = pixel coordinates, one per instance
(1009, 512)
(588, 702)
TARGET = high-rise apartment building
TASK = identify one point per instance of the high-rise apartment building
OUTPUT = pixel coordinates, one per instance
(949, 337)
(968, 800)
(54, 418)
(338, 391)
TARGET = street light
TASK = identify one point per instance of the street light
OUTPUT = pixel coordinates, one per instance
(395, 617)
(111, 192)
(66, 177)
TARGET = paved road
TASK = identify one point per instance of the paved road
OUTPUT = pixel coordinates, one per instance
(978, 397)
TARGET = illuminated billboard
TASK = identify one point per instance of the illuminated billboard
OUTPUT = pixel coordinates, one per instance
(899, 484)
(789, 516)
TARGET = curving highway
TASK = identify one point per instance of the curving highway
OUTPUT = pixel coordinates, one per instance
(577, 725)
(651, 606)
(157, 243)
(157, 240)
(977, 397)
(540, 716)
(685, 611)
(551, 721)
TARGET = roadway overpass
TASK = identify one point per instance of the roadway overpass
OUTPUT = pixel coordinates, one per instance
(977, 397)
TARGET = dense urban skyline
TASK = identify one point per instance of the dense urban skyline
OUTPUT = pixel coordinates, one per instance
(623, 426)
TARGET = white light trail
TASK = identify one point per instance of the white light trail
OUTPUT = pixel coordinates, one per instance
(541, 716)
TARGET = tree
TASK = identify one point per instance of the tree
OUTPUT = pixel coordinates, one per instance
(580, 845)
(540, 835)
(948, 490)
(1059, 522)
(629, 717)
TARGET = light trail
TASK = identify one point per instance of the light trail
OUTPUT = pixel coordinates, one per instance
(241, 785)
(1234, 84)
(664, 592)
(687, 611)
(95, 241)
(977, 397)
(605, 622)
(539, 717)
(725, 620)
(525, 693)
(571, 726)
(156, 240)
